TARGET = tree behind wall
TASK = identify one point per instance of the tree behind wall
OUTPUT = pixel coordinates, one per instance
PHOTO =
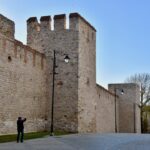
(143, 79)
(146, 119)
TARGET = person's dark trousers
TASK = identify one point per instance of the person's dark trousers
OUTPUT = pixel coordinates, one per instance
(22, 135)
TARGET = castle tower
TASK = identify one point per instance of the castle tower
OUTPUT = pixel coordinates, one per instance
(74, 105)
(128, 107)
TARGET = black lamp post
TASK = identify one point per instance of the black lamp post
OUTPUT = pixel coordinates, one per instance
(66, 59)
(121, 92)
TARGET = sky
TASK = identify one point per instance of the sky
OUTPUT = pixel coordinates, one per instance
(123, 31)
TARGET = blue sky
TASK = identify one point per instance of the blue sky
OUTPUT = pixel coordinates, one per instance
(123, 30)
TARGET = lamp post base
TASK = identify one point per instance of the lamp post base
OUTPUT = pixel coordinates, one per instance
(52, 134)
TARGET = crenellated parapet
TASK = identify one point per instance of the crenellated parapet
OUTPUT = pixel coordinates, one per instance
(7, 26)
(60, 22)
(14, 50)
(75, 20)
(53, 27)
(45, 23)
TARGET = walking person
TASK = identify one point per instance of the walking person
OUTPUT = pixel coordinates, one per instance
(20, 129)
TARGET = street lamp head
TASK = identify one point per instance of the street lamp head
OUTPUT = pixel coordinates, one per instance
(66, 58)
(122, 92)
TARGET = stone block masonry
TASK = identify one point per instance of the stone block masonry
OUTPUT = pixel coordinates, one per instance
(80, 105)
(23, 87)
(105, 111)
(7, 27)
(129, 111)
(75, 97)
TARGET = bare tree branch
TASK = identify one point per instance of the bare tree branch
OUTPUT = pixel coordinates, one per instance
(144, 80)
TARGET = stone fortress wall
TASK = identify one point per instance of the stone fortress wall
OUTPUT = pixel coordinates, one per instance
(63, 41)
(105, 111)
(80, 104)
(23, 87)
(128, 107)
(77, 95)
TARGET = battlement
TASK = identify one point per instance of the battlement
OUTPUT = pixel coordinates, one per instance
(74, 16)
(7, 26)
(59, 22)
(16, 50)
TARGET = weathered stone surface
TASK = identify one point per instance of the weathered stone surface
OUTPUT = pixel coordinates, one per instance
(105, 111)
(129, 111)
(80, 105)
(7, 27)
(23, 89)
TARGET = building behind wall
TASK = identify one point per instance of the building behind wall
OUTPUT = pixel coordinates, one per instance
(26, 75)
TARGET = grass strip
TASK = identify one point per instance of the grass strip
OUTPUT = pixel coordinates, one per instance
(27, 136)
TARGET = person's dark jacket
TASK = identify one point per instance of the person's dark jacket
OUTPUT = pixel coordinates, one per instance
(20, 125)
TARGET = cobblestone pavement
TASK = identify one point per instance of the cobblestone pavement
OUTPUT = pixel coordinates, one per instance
(84, 142)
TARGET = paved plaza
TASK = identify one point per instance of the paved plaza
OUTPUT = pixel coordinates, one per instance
(84, 142)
